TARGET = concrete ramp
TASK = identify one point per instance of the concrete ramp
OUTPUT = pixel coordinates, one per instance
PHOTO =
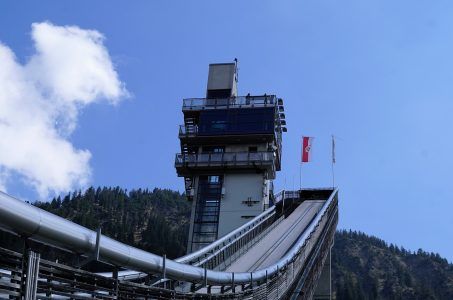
(278, 241)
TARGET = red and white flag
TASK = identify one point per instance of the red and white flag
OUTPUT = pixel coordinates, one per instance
(306, 148)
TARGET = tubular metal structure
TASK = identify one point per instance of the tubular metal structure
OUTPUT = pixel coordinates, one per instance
(200, 256)
(31, 222)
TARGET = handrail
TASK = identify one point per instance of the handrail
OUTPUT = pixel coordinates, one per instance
(224, 157)
(188, 129)
(239, 101)
(248, 236)
(271, 270)
(30, 221)
(227, 238)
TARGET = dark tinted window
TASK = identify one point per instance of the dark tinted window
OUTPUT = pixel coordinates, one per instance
(213, 149)
(237, 121)
(226, 93)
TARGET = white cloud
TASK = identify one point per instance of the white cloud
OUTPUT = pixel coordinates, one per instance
(40, 100)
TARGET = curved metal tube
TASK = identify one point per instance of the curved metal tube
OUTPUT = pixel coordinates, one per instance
(35, 223)
(203, 252)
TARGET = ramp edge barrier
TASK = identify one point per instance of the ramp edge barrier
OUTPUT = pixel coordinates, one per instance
(30, 221)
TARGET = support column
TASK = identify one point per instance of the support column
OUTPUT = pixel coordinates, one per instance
(31, 283)
(195, 180)
(115, 284)
(324, 288)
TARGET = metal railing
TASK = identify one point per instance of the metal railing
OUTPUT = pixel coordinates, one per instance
(298, 270)
(195, 130)
(195, 257)
(273, 281)
(225, 158)
(286, 195)
(251, 231)
(187, 130)
(228, 252)
(232, 102)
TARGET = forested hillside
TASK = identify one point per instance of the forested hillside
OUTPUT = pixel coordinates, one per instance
(364, 267)
(155, 220)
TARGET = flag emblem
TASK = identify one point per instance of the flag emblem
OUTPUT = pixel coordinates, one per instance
(306, 148)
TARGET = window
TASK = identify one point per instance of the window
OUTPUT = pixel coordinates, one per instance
(214, 179)
(253, 149)
(237, 121)
(224, 93)
(213, 149)
(219, 125)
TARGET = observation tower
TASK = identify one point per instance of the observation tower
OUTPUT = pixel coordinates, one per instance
(231, 148)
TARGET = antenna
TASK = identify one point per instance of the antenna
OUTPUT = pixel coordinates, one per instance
(237, 69)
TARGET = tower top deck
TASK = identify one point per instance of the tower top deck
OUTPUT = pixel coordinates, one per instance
(190, 104)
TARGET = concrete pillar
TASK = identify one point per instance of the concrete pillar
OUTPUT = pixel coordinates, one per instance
(324, 288)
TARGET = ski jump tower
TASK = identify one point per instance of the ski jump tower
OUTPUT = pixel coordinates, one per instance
(231, 148)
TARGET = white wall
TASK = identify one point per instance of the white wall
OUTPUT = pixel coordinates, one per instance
(238, 187)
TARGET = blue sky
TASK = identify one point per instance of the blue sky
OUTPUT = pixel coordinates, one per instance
(376, 74)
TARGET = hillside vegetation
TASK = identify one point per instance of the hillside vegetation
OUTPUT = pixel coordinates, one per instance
(364, 267)
(154, 220)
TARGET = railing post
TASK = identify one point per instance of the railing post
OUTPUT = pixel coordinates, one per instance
(116, 282)
(205, 281)
(267, 291)
(286, 275)
(98, 241)
(283, 204)
(164, 269)
(32, 273)
(49, 281)
(233, 287)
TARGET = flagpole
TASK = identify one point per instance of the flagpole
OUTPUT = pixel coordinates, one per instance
(300, 164)
(333, 176)
(300, 176)
(333, 161)
(306, 148)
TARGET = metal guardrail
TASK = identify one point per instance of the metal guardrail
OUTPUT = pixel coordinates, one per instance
(240, 101)
(187, 130)
(297, 279)
(193, 131)
(226, 255)
(239, 232)
(51, 280)
(303, 245)
(229, 158)
(286, 195)
(272, 281)
(251, 232)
